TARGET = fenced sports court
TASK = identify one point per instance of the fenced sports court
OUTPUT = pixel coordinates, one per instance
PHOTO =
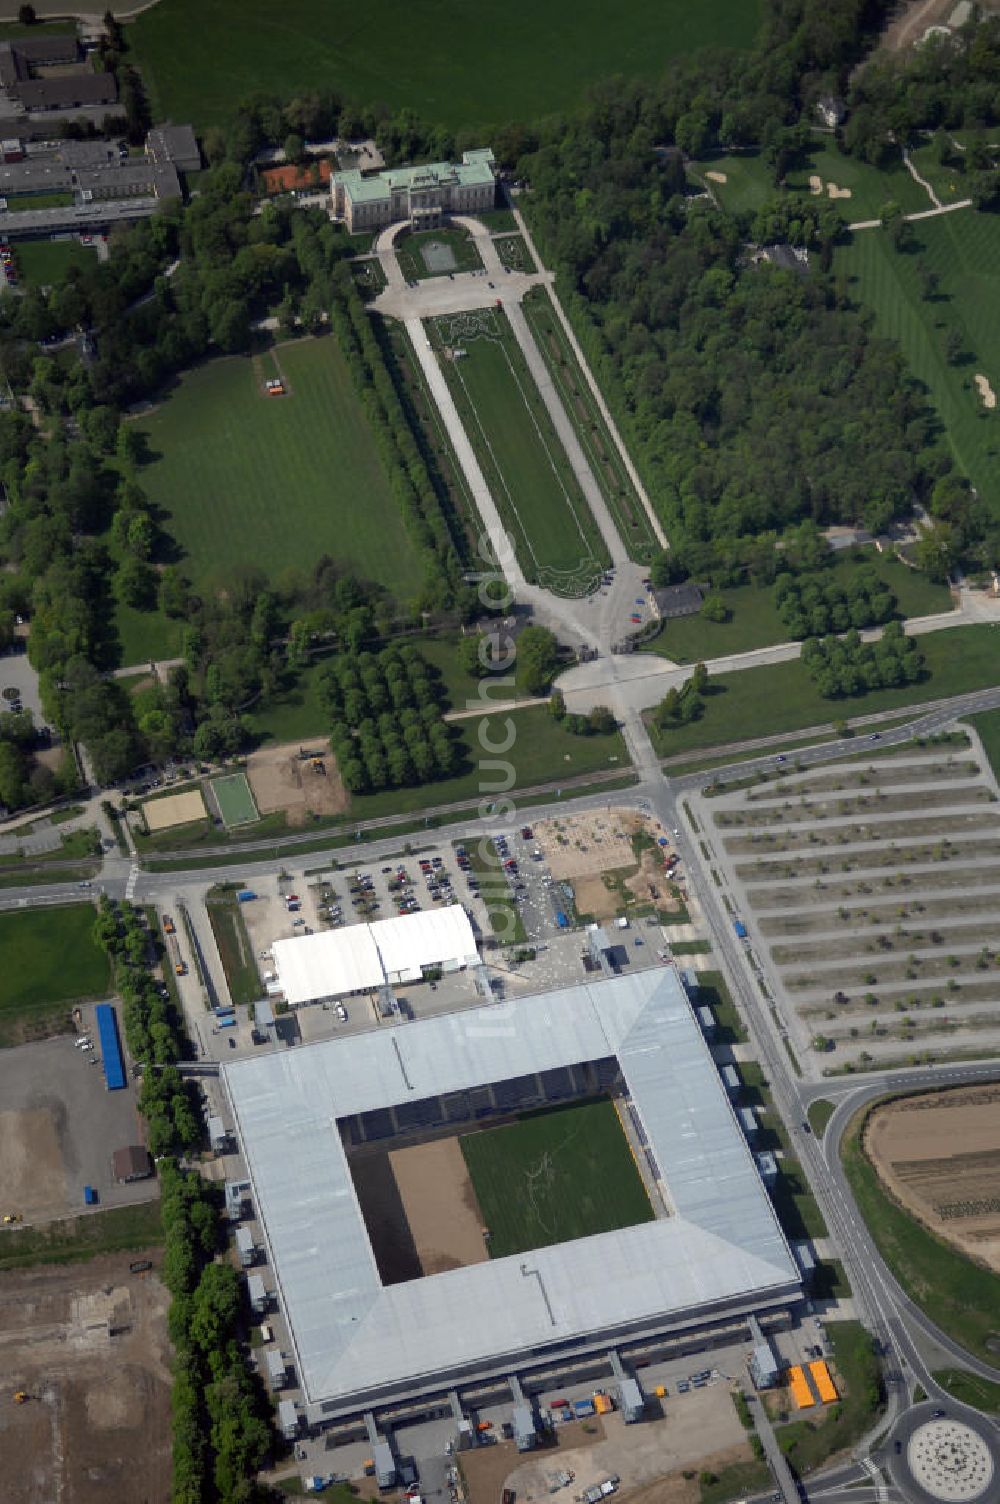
(236, 802)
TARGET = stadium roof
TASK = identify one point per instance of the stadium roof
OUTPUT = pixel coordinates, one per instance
(357, 1340)
(362, 956)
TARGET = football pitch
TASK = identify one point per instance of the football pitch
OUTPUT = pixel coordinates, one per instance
(539, 499)
(51, 959)
(244, 480)
(963, 250)
(554, 1176)
(235, 801)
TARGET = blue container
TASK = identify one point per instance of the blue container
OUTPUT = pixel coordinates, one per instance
(740, 928)
(582, 1408)
(111, 1049)
(245, 895)
(562, 921)
(89, 1196)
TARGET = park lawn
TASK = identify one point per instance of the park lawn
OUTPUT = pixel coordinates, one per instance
(44, 263)
(754, 621)
(962, 1297)
(808, 1443)
(988, 727)
(50, 960)
(766, 701)
(410, 249)
(243, 480)
(557, 541)
(553, 1176)
(949, 183)
(749, 181)
(963, 249)
(871, 187)
(595, 440)
(118, 1229)
(146, 636)
(450, 63)
(235, 950)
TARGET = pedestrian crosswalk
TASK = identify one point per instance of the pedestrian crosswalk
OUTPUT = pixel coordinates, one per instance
(133, 878)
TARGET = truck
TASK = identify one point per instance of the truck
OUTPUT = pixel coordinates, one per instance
(174, 950)
(740, 928)
(583, 1408)
(168, 925)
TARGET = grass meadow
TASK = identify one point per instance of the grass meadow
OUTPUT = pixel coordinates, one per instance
(557, 541)
(50, 960)
(750, 182)
(779, 697)
(554, 1176)
(44, 263)
(964, 250)
(247, 480)
(753, 617)
(454, 64)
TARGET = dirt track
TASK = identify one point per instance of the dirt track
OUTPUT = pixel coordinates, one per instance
(97, 1424)
(939, 1155)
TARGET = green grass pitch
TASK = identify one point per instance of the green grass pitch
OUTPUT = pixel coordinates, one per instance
(964, 250)
(235, 801)
(554, 1176)
(274, 482)
(50, 959)
(526, 467)
(455, 64)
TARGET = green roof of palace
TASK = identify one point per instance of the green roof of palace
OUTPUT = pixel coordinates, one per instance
(475, 167)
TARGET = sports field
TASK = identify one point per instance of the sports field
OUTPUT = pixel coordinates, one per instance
(963, 249)
(43, 263)
(50, 959)
(235, 801)
(554, 1176)
(526, 468)
(247, 480)
(450, 62)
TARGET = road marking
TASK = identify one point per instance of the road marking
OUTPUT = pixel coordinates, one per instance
(133, 878)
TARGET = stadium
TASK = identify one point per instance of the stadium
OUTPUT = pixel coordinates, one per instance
(500, 1188)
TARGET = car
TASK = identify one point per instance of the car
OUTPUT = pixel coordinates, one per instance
(937, 1414)
(805, 1127)
(876, 736)
(342, 1013)
(683, 1386)
(897, 1447)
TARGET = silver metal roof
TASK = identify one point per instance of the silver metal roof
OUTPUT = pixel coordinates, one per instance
(353, 1336)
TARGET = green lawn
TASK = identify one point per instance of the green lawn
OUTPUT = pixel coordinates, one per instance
(452, 63)
(871, 187)
(119, 1229)
(949, 183)
(504, 914)
(537, 495)
(750, 182)
(713, 993)
(247, 480)
(753, 617)
(413, 263)
(147, 636)
(44, 263)
(782, 697)
(962, 1297)
(969, 1389)
(963, 249)
(819, 1114)
(988, 726)
(808, 1443)
(592, 431)
(235, 950)
(554, 1176)
(16, 202)
(50, 960)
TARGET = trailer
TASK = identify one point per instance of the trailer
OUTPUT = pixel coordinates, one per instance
(583, 1408)
(111, 1049)
(174, 951)
(245, 895)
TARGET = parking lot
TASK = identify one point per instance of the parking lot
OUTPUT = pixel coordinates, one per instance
(59, 1126)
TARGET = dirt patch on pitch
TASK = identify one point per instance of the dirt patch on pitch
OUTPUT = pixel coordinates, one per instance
(88, 1345)
(440, 1205)
(301, 787)
(939, 1155)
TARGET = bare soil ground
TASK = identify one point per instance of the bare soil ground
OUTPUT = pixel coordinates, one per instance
(585, 845)
(32, 1170)
(97, 1423)
(649, 1460)
(440, 1205)
(939, 1155)
(176, 809)
(281, 780)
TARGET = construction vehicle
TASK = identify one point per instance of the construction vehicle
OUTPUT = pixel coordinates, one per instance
(10, 1218)
(173, 949)
(168, 925)
(21, 1397)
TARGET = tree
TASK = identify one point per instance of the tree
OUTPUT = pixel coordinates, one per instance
(26, 15)
(602, 721)
(537, 659)
(714, 608)
(294, 147)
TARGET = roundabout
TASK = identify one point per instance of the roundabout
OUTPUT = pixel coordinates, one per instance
(944, 1458)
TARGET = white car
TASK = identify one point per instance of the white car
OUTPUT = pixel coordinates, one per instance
(342, 1013)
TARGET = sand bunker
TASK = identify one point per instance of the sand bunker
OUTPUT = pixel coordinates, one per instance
(717, 177)
(815, 184)
(836, 192)
(987, 393)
